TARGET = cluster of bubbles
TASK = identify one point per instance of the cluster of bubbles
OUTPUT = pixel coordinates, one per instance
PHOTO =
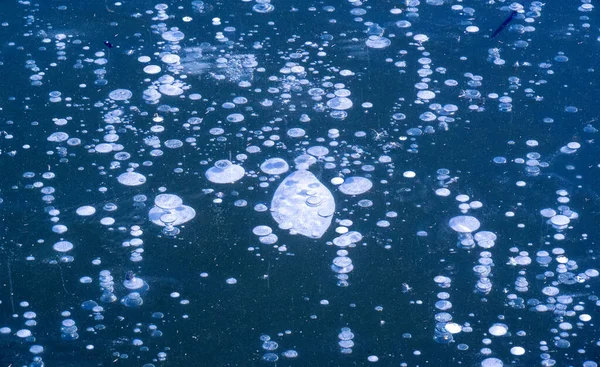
(345, 341)
(170, 212)
(342, 263)
(68, 328)
(270, 347)
(246, 116)
(107, 286)
(444, 327)
(137, 287)
(560, 219)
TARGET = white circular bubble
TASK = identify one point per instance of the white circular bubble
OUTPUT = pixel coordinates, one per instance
(476, 204)
(23, 333)
(355, 185)
(85, 210)
(373, 358)
(585, 317)
(152, 69)
(262, 230)
(262, 7)
(270, 239)
(235, 117)
(225, 172)
(492, 362)
(453, 328)
(173, 36)
(170, 59)
(296, 132)
(421, 38)
(464, 224)
(120, 94)
(426, 94)
(550, 291)
(170, 90)
(560, 220)
(443, 192)
(339, 103)
(498, 329)
(59, 228)
(103, 148)
(318, 151)
(63, 246)
(274, 166)
(378, 42)
(517, 351)
(58, 137)
(36, 349)
(131, 179)
(107, 221)
(167, 201)
(462, 198)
